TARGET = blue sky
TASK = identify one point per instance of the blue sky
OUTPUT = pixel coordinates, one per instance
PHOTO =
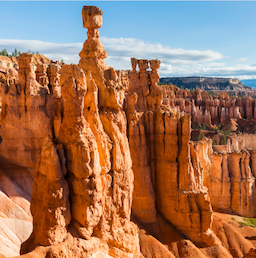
(190, 38)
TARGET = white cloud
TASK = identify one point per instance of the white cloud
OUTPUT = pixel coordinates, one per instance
(237, 71)
(116, 48)
(175, 62)
(243, 59)
(55, 51)
(130, 47)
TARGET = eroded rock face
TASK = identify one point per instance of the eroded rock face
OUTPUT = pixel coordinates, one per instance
(165, 159)
(83, 113)
(186, 204)
(24, 117)
(206, 108)
(50, 199)
(97, 164)
(98, 161)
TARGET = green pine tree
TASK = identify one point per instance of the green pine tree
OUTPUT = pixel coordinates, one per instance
(5, 53)
(200, 136)
(224, 140)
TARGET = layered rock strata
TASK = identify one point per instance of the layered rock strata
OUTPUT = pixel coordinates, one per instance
(50, 199)
(25, 116)
(168, 163)
(230, 178)
(209, 108)
(103, 147)
(91, 126)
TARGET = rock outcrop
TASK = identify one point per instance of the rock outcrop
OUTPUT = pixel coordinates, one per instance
(50, 199)
(209, 108)
(230, 85)
(113, 169)
(88, 121)
(174, 173)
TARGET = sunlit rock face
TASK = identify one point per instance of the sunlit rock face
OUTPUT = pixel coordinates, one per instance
(89, 182)
(165, 158)
(85, 150)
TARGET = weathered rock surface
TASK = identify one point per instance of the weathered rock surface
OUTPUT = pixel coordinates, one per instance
(98, 161)
(229, 178)
(209, 108)
(174, 169)
(15, 216)
(50, 199)
(13, 232)
(103, 148)
(25, 116)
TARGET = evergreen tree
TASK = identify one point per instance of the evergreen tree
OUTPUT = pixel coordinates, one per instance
(224, 140)
(4, 53)
(200, 136)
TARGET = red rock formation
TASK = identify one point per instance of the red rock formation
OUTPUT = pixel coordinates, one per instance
(229, 178)
(206, 108)
(53, 72)
(93, 133)
(50, 199)
(175, 173)
(24, 123)
(143, 195)
(66, 129)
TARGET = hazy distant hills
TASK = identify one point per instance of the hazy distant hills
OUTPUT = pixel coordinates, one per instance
(211, 83)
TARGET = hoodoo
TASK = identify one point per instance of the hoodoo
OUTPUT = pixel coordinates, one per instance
(106, 162)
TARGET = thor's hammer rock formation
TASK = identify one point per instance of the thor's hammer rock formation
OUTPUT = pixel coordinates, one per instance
(105, 162)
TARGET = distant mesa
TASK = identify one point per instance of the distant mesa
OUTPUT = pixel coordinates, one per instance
(207, 83)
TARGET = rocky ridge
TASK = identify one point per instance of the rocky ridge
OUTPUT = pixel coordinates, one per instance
(233, 86)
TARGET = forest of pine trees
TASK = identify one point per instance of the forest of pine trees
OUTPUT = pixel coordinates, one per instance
(15, 53)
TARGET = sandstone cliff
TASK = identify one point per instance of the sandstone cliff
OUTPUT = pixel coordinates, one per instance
(104, 161)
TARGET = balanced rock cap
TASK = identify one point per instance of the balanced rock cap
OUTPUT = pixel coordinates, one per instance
(92, 17)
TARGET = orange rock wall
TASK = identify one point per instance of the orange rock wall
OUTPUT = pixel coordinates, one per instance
(105, 147)
(206, 108)
(229, 176)
(169, 163)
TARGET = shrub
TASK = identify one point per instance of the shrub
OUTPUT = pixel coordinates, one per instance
(226, 132)
(249, 222)
(199, 126)
(200, 136)
(224, 140)
(217, 129)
